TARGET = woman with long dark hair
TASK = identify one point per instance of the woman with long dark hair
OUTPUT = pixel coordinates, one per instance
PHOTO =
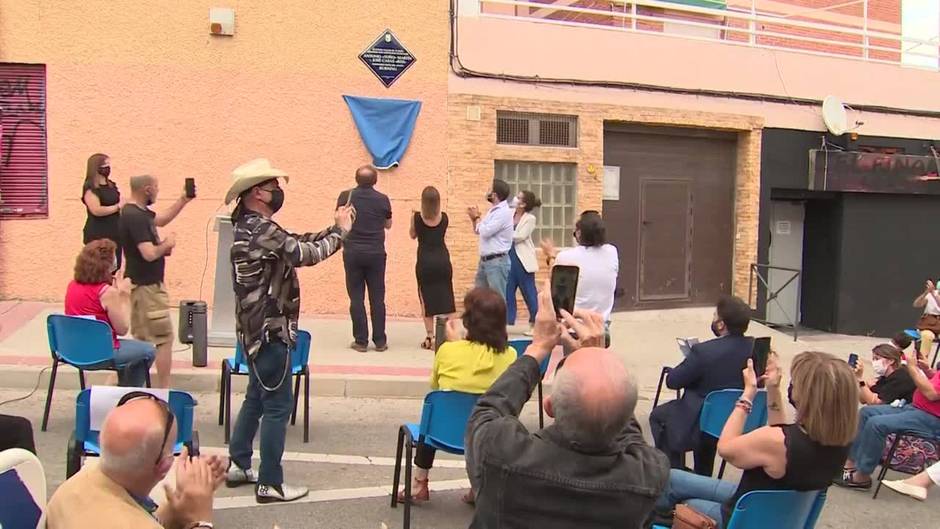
(433, 269)
(102, 202)
(470, 365)
(522, 262)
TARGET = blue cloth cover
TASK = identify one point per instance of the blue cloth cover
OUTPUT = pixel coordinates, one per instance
(385, 126)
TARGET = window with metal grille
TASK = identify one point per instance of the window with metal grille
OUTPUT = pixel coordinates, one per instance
(24, 175)
(555, 185)
(525, 128)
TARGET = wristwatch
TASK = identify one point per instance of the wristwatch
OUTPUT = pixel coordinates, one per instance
(200, 525)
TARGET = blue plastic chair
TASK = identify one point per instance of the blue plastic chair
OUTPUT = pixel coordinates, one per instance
(520, 346)
(83, 343)
(84, 441)
(238, 365)
(776, 509)
(717, 408)
(443, 425)
(915, 335)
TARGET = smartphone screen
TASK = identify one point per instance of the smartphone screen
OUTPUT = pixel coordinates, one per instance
(190, 188)
(564, 288)
(853, 360)
(759, 354)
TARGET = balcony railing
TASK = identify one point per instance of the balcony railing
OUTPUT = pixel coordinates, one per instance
(843, 30)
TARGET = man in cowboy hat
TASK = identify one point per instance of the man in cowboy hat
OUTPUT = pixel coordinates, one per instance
(267, 306)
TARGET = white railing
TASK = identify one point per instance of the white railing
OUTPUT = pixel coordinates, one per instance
(803, 30)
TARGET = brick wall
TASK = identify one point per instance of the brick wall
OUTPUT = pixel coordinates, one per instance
(472, 150)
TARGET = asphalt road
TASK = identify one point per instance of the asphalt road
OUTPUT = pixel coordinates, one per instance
(347, 466)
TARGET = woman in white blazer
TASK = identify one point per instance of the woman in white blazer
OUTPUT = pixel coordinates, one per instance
(523, 264)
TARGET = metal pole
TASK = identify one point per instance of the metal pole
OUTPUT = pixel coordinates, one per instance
(865, 29)
(751, 37)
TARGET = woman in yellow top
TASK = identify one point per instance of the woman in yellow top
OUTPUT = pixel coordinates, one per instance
(470, 365)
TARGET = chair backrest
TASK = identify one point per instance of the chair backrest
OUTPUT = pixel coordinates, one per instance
(444, 418)
(777, 509)
(23, 489)
(299, 355)
(521, 345)
(79, 341)
(719, 405)
(181, 403)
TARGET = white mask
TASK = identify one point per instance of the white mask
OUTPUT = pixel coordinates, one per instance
(514, 202)
(879, 367)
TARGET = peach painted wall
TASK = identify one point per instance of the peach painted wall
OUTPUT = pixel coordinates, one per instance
(145, 83)
(551, 50)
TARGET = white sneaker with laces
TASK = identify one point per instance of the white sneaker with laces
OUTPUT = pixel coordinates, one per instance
(236, 476)
(275, 493)
(918, 493)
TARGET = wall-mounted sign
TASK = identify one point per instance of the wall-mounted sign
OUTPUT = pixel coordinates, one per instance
(611, 182)
(870, 172)
(387, 58)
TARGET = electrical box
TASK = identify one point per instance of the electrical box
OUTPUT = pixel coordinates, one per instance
(221, 21)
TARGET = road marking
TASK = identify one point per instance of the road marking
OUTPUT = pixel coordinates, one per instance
(339, 459)
(319, 496)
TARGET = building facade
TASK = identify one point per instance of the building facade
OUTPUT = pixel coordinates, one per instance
(675, 119)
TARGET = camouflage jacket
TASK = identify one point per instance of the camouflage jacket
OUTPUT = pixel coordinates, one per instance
(267, 291)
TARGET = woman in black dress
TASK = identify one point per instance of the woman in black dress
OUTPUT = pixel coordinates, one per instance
(433, 269)
(102, 202)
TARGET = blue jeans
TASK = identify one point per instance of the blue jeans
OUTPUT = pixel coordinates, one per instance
(132, 360)
(273, 408)
(494, 274)
(704, 494)
(519, 278)
(876, 422)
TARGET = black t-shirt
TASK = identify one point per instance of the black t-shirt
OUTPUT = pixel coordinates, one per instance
(137, 226)
(373, 209)
(897, 385)
(102, 227)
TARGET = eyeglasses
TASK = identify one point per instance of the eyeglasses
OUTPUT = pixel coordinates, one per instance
(134, 395)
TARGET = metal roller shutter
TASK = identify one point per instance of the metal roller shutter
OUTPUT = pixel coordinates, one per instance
(24, 170)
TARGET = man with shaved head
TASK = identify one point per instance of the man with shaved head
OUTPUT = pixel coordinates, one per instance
(146, 255)
(591, 468)
(137, 440)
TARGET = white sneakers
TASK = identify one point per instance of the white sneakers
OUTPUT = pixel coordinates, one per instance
(918, 493)
(274, 493)
(236, 476)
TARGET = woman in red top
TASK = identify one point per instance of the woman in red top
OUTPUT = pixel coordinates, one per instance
(95, 292)
(922, 417)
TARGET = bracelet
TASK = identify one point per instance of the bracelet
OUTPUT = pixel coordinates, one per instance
(744, 404)
(200, 525)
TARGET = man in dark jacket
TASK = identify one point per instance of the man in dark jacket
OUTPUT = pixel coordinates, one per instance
(712, 365)
(591, 468)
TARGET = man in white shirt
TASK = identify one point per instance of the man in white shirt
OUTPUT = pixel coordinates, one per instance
(495, 231)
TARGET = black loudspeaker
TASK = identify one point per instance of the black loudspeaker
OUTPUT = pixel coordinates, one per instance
(193, 329)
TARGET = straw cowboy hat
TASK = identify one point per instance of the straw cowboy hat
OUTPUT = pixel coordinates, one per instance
(251, 174)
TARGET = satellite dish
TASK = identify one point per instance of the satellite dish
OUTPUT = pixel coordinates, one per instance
(834, 115)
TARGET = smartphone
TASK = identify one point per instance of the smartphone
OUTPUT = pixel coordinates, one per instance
(853, 360)
(759, 353)
(564, 288)
(190, 188)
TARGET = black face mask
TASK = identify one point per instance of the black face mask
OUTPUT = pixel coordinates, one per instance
(105, 171)
(715, 330)
(150, 199)
(790, 395)
(277, 199)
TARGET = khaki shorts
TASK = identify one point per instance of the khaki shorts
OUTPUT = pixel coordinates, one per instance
(150, 314)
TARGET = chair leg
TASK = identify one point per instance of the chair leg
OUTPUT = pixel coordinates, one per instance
(721, 469)
(81, 378)
(228, 406)
(45, 413)
(396, 479)
(885, 463)
(306, 405)
(147, 378)
(406, 522)
(73, 457)
(659, 386)
(222, 392)
(541, 411)
(293, 415)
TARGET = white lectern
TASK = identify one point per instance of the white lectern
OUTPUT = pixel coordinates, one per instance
(222, 332)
